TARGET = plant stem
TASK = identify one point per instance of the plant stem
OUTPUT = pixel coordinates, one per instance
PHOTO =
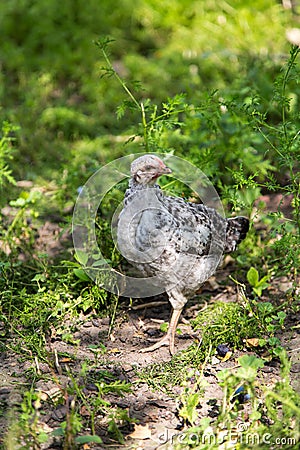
(119, 79)
(280, 399)
(145, 126)
(294, 53)
(139, 106)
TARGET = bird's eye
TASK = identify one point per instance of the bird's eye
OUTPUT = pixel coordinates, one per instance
(148, 167)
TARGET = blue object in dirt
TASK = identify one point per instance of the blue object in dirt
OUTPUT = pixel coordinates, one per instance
(222, 350)
(240, 395)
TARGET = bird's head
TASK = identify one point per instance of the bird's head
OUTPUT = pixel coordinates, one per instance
(146, 169)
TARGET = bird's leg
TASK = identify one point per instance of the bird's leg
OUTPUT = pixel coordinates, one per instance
(169, 338)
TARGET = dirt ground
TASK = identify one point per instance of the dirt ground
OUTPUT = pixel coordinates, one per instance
(155, 412)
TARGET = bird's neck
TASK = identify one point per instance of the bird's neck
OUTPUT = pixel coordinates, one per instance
(135, 186)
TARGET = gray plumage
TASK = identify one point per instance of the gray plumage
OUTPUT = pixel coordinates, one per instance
(178, 243)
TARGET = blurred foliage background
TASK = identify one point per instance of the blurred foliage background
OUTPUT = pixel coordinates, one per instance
(50, 69)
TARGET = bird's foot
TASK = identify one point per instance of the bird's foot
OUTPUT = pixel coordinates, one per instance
(165, 341)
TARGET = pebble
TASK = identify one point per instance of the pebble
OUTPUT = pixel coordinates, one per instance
(92, 331)
(59, 413)
(97, 322)
(15, 399)
(213, 413)
(44, 368)
(127, 367)
(267, 369)
(295, 368)
(5, 390)
(152, 332)
(105, 321)
(215, 360)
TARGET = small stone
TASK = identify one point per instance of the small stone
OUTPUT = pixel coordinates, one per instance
(105, 321)
(5, 390)
(92, 331)
(267, 369)
(27, 365)
(213, 413)
(295, 368)
(215, 360)
(91, 387)
(127, 367)
(152, 332)
(44, 368)
(97, 322)
(59, 413)
(212, 402)
(15, 399)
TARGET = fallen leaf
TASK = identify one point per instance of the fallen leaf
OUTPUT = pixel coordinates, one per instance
(253, 342)
(226, 357)
(214, 286)
(141, 432)
(115, 350)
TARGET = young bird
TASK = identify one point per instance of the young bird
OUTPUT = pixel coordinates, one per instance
(177, 243)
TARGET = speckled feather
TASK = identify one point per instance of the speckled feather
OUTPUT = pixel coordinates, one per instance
(189, 239)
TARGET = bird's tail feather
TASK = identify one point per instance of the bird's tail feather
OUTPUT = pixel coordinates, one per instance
(237, 228)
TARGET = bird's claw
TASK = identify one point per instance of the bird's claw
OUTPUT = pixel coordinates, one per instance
(165, 341)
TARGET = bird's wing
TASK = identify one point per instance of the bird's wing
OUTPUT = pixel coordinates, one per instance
(191, 228)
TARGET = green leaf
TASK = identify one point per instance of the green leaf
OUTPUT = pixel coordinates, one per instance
(39, 277)
(252, 276)
(164, 327)
(189, 411)
(19, 203)
(257, 290)
(80, 273)
(265, 308)
(255, 415)
(58, 432)
(251, 361)
(88, 438)
(264, 280)
(42, 437)
(114, 430)
(101, 262)
(274, 341)
(82, 257)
